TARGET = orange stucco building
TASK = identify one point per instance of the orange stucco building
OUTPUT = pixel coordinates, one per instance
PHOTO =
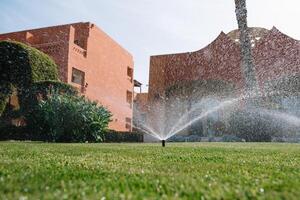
(91, 61)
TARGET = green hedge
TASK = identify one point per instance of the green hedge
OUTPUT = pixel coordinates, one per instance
(10, 132)
(5, 92)
(114, 136)
(21, 66)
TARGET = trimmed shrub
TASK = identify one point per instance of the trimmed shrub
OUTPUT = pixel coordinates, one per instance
(21, 66)
(114, 136)
(66, 118)
(5, 92)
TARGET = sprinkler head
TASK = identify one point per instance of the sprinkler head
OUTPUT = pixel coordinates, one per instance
(163, 142)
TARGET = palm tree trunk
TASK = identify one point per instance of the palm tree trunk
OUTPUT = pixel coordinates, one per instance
(247, 60)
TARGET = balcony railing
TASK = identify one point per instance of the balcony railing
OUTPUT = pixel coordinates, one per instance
(79, 50)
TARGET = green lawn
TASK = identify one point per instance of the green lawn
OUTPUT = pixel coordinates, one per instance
(147, 171)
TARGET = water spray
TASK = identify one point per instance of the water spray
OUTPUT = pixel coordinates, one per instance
(163, 143)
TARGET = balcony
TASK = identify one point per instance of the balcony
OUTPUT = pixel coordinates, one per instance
(79, 50)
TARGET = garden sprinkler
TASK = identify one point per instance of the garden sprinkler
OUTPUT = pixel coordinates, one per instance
(163, 142)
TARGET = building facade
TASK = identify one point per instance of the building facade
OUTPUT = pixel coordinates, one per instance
(91, 61)
(276, 56)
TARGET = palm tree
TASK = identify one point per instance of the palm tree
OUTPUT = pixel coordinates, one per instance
(247, 60)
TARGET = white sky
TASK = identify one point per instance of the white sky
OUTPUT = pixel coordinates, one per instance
(152, 27)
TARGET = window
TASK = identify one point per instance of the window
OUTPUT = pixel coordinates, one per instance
(130, 73)
(128, 126)
(128, 120)
(78, 76)
(129, 98)
(80, 43)
(128, 123)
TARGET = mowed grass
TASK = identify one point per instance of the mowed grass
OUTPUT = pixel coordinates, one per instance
(148, 171)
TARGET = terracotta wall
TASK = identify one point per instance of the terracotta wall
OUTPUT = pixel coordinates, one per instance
(275, 55)
(105, 69)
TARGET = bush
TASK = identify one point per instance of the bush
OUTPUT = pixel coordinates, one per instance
(20, 67)
(114, 136)
(41, 89)
(66, 118)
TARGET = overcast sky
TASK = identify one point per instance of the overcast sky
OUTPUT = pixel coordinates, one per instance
(152, 27)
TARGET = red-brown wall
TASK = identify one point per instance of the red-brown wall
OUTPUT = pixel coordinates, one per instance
(275, 55)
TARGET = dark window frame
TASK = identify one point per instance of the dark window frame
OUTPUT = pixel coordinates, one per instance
(73, 78)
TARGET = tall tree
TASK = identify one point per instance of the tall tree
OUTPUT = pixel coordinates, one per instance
(247, 60)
